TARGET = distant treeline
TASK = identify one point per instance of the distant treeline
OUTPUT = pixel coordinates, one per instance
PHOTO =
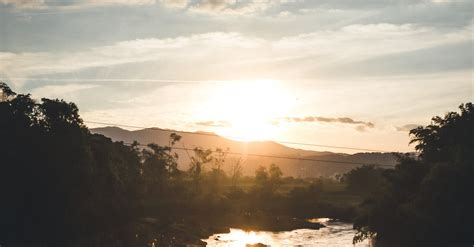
(63, 186)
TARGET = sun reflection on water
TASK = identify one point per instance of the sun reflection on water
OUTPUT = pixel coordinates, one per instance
(319, 220)
(335, 233)
(240, 238)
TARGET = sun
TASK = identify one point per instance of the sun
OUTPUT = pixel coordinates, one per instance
(251, 108)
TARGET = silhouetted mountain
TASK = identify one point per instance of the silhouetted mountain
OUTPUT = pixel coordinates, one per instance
(290, 167)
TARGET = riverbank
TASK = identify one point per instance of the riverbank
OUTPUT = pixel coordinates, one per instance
(190, 230)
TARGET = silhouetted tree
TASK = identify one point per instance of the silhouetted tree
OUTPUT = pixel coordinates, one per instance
(59, 183)
(267, 182)
(5, 91)
(275, 177)
(201, 157)
(427, 201)
(363, 180)
(160, 166)
(217, 174)
(236, 171)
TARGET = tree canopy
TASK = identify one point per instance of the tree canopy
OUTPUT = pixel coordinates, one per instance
(59, 182)
(427, 199)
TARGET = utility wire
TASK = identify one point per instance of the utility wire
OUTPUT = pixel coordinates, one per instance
(233, 137)
(277, 157)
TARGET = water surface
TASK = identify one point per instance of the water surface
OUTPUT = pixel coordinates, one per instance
(334, 234)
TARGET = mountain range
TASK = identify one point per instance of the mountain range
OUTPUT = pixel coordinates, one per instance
(299, 162)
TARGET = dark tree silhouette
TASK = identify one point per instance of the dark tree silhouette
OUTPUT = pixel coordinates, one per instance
(267, 182)
(59, 183)
(427, 201)
(363, 180)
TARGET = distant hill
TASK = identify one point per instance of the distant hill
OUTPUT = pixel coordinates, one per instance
(296, 168)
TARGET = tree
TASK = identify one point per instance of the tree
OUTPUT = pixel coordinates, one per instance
(427, 201)
(363, 180)
(59, 183)
(216, 174)
(160, 166)
(201, 157)
(267, 182)
(275, 177)
(446, 139)
(5, 91)
(236, 171)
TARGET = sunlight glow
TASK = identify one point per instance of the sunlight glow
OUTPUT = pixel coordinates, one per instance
(250, 108)
(240, 238)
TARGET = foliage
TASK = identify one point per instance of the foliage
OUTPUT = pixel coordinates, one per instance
(236, 171)
(5, 91)
(201, 157)
(427, 201)
(58, 182)
(267, 182)
(363, 180)
(63, 186)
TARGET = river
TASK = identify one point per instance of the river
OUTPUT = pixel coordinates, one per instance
(335, 233)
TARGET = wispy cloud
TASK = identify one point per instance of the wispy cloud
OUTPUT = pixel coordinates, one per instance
(54, 91)
(25, 4)
(133, 51)
(316, 51)
(231, 7)
(64, 4)
(219, 124)
(175, 3)
(343, 120)
(198, 6)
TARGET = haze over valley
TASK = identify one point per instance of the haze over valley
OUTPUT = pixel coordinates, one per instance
(290, 167)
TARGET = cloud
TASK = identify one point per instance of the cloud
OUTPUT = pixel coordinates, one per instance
(115, 2)
(407, 127)
(175, 3)
(361, 125)
(345, 120)
(231, 6)
(361, 128)
(284, 14)
(75, 4)
(54, 91)
(364, 4)
(290, 56)
(198, 6)
(133, 51)
(214, 124)
(213, 5)
(25, 4)
(450, 57)
(340, 11)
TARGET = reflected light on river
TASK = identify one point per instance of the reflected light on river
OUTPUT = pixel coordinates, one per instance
(238, 238)
(337, 234)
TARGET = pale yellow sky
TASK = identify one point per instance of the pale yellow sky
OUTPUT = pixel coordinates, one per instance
(339, 73)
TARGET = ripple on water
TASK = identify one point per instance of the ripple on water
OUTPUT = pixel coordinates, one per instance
(334, 234)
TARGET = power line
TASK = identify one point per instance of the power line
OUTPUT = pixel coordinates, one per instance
(279, 157)
(233, 137)
(239, 153)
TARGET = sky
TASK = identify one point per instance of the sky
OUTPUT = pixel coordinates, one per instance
(354, 73)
